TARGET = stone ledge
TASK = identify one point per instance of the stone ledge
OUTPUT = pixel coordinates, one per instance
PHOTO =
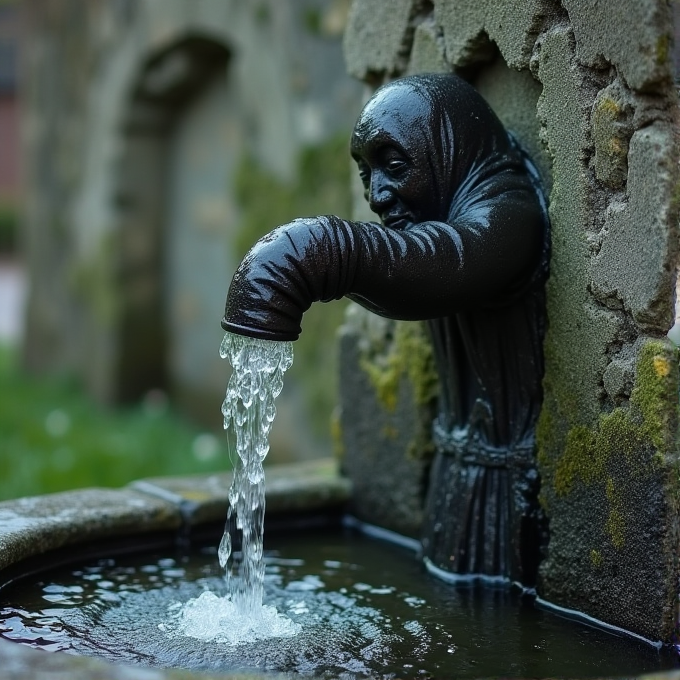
(35, 525)
(296, 487)
(19, 662)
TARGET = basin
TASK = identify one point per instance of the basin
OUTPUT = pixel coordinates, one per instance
(366, 605)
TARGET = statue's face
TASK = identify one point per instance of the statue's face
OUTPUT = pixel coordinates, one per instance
(388, 148)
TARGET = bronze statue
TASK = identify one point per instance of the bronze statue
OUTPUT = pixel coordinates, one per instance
(464, 244)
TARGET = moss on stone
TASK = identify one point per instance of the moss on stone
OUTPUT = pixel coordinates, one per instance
(609, 108)
(663, 48)
(596, 558)
(410, 355)
(577, 461)
(637, 437)
(655, 391)
(407, 355)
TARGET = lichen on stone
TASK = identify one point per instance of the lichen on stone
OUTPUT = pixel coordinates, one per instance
(663, 48)
(407, 355)
(611, 131)
(626, 443)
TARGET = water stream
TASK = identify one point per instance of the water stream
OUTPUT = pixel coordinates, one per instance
(240, 616)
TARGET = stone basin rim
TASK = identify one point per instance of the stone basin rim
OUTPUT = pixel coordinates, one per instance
(145, 514)
(153, 513)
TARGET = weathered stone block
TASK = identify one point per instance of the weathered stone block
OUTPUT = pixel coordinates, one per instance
(636, 262)
(613, 491)
(608, 472)
(387, 390)
(378, 37)
(634, 36)
(30, 526)
(428, 51)
(471, 27)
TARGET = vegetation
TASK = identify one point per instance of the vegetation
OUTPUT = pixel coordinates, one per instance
(52, 438)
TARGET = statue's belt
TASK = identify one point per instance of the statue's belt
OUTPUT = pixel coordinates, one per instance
(473, 451)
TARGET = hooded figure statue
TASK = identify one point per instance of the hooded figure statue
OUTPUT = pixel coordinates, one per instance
(464, 244)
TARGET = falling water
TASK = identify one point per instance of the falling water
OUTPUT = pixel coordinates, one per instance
(256, 381)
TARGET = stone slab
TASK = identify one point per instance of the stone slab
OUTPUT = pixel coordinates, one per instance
(634, 36)
(34, 525)
(296, 487)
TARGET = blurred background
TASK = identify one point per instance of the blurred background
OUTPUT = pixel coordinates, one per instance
(144, 146)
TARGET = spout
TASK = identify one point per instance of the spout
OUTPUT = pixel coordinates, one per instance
(425, 271)
(282, 275)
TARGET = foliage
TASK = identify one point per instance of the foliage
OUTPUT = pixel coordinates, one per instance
(53, 438)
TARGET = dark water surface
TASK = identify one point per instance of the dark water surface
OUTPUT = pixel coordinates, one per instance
(365, 608)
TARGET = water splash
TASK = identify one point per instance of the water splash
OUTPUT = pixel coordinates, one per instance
(256, 381)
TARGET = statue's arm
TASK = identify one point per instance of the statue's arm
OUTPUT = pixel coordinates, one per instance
(434, 269)
(426, 271)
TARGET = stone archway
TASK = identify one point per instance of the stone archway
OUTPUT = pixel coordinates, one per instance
(167, 87)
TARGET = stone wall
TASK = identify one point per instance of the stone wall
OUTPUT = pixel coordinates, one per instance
(588, 89)
(140, 117)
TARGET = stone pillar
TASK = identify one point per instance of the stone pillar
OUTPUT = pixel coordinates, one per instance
(588, 89)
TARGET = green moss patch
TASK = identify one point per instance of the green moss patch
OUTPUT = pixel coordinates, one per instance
(408, 356)
(627, 443)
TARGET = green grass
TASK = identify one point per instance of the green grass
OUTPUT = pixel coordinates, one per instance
(53, 437)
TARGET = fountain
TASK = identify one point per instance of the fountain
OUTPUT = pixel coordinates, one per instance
(455, 194)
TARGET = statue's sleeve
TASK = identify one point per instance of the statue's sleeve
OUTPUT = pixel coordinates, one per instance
(425, 271)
